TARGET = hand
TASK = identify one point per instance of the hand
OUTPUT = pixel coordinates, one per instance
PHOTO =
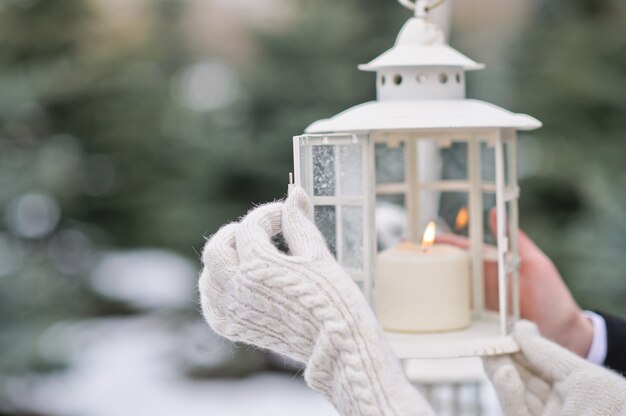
(544, 379)
(303, 305)
(544, 297)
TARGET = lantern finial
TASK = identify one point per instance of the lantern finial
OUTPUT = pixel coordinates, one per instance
(421, 7)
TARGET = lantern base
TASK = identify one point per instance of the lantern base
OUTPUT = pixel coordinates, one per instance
(481, 338)
(441, 371)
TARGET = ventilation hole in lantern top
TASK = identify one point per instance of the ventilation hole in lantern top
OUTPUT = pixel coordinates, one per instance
(383, 79)
(397, 79)
(422, 78)
(458, 78)
(443, 77)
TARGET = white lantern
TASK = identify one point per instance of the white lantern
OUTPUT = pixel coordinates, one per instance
(421, 153)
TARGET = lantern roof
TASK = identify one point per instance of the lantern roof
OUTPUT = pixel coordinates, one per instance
(420, 87)
(421, 44)
(423, 114)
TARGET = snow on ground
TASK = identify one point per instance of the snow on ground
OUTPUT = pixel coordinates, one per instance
(146, 279)
(133, 366)
(136, 365)
(128, 366)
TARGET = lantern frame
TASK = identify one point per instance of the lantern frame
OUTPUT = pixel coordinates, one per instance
(425, 103)
(488, 333)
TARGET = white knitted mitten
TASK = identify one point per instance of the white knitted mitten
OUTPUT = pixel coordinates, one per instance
(546, 379)
(303, 306)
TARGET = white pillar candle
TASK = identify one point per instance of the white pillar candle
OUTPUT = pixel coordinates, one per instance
(423, 289)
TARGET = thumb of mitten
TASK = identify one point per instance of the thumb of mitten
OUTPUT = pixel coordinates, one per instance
(508, 385)
(547, 358)
(255, 232)
(301, 234)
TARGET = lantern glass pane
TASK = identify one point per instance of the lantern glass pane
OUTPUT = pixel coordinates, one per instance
(489, 204)
(351, 170)
(391, 220)
(389, 163)
(487, 163)
(492, 290)
(326, 220)
(507, 164)
(454, 213)
(454, 161)
(449, 211)
(510, 305)
(324, 170)
(352, 236)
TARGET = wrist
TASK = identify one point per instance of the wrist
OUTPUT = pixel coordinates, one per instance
(579, 335)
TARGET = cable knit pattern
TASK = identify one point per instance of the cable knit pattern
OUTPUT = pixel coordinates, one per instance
(304, 306)
(547, 380)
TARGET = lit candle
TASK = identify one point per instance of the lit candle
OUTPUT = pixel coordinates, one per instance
(423, 289)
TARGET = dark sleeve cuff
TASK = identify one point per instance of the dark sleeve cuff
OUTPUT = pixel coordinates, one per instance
(616, 343)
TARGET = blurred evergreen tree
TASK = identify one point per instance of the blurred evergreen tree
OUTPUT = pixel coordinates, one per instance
(569, 68)
(92, 126)
(305, 71)
(34, 56)
(84, 159)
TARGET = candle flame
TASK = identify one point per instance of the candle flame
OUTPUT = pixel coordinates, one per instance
(429, 235)
(462, 218)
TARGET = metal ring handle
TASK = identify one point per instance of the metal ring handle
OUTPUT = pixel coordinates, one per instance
(408, 4)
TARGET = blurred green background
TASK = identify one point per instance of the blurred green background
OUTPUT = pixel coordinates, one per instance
(135, 128)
